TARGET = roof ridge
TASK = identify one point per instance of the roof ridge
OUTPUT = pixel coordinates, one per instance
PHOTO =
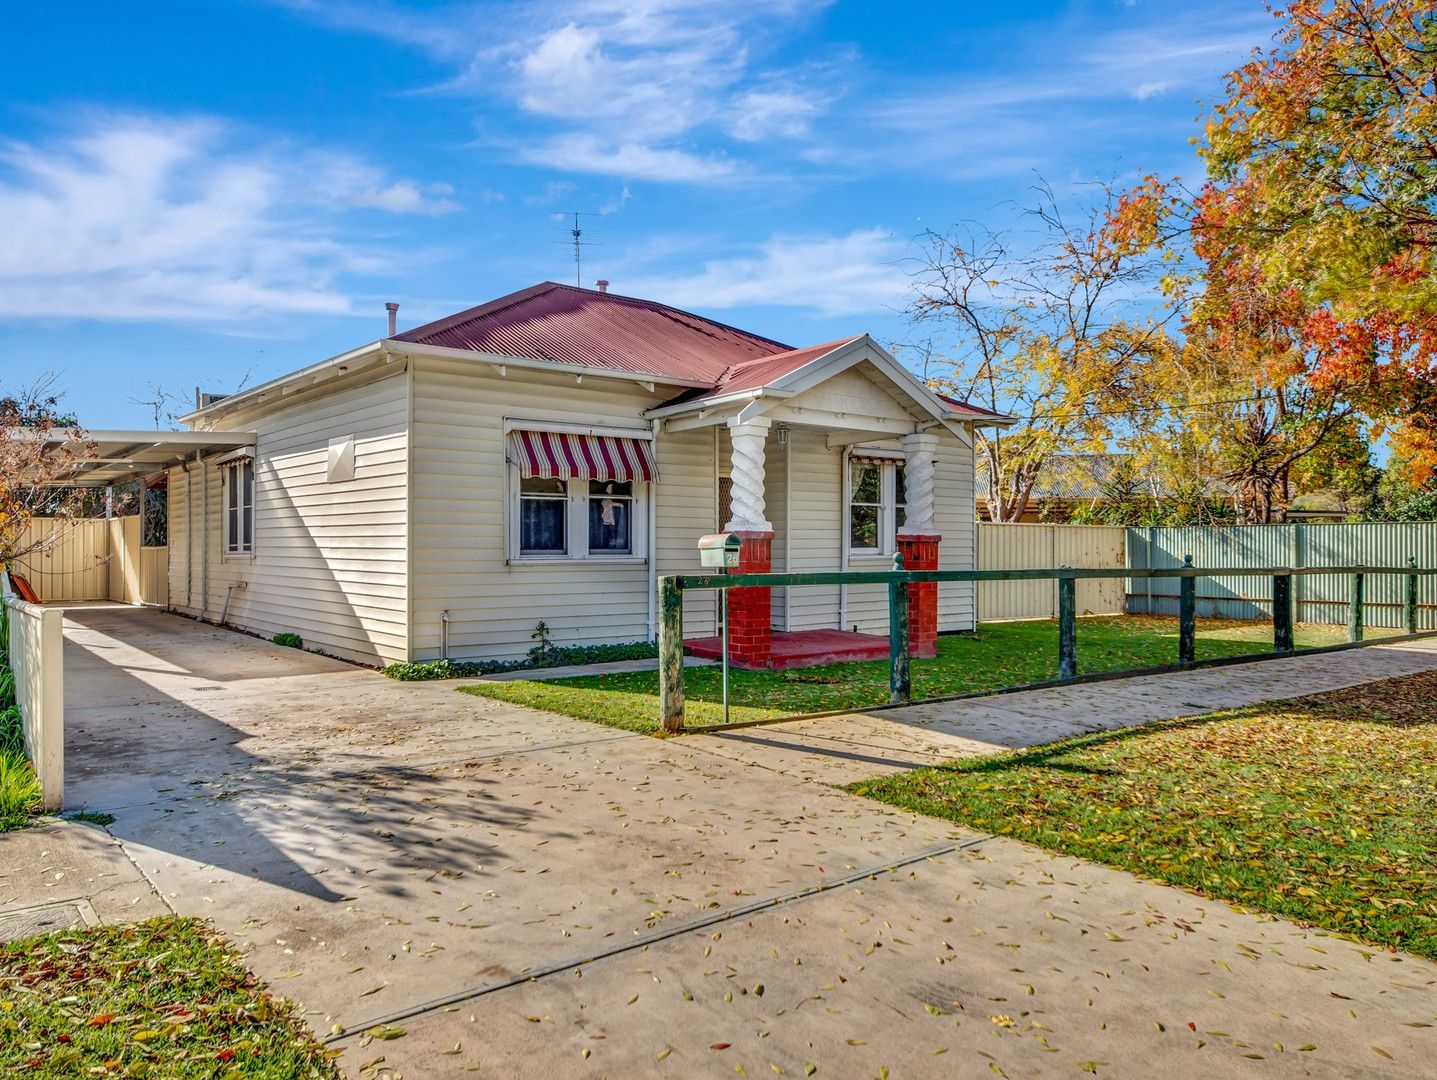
(489, 307)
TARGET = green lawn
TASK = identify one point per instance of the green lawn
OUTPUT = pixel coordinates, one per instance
(167, 997)
(1319, 809)
(998, 655)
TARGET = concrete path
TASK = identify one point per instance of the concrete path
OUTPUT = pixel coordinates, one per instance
(523, 893)
(855, 746)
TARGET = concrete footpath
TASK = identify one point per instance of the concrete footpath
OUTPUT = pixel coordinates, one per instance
(521, 892)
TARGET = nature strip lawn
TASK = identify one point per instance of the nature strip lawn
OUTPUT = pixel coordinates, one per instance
(997, 655)
(166, 997)
(1319, 809)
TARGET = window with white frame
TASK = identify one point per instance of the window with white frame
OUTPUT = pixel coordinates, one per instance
(543, 517)
(611, 517)
(239, 507)
(577, 519)
(876, 505)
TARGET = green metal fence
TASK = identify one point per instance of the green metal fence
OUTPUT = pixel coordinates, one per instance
(1279, 595)
(1322, 599)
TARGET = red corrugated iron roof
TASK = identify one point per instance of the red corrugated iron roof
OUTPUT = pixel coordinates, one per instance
(966, 409)
(569, 325)
(599, 330)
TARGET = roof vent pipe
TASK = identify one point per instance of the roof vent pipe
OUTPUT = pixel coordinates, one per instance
(602, 284)
(393, 310)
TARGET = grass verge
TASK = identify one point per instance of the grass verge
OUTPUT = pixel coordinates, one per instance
(996, 656)
(1319, 809)
(166, 997)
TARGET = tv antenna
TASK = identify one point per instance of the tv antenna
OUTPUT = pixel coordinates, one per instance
(576, 239)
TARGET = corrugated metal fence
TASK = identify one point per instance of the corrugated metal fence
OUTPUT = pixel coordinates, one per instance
(1020, 547)
(1318, 599)
(95, 559)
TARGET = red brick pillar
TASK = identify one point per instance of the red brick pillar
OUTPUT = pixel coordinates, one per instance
(750, 640)
(921, 553)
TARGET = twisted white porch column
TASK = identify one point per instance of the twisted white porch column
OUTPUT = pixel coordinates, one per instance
(919, 452)
(747, 474)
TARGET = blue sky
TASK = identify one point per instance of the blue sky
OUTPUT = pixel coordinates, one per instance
(199, 193)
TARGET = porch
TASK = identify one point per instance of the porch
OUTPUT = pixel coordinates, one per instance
(802, 648)
(832, 468)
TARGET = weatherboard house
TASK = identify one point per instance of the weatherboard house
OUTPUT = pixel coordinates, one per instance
(545, 457)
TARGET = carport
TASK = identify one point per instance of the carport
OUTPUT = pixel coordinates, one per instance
(123, 556)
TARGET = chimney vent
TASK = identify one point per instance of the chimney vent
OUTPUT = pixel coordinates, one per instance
(602, 284)
(393, 310)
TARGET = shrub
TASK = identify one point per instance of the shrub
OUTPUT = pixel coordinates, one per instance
(551, 657)
(19, 786)
(291, 641)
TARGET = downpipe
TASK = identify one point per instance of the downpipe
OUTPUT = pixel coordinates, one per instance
(229, 592)
(444, 634)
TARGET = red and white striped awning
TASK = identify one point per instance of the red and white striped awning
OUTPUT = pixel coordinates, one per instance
(557, 455)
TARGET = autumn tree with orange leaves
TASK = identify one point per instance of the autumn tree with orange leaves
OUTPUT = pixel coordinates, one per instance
(38, 445)
(1313, 302)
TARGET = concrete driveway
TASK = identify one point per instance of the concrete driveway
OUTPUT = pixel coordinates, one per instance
(524, 893)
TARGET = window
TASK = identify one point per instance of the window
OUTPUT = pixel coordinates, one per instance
(239, 508)
(876, 505)
(543, 508)
(577, 519)
(611, 517)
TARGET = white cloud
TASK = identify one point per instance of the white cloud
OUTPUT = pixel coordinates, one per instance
(633, 159)
(619, 88)
(832, 275)
(144, 217)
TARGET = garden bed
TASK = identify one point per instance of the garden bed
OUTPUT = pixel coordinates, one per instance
(1319, 809)
(998, 655)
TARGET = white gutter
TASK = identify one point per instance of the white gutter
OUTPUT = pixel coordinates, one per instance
(707, 404)
(391, 349)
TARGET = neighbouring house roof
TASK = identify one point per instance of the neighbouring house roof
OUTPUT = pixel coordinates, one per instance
(579, 330)
(1080, 477)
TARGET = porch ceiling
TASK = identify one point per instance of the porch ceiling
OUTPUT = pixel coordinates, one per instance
(129, 455)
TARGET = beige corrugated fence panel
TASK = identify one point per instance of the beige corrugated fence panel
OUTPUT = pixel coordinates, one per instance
(1020, 547)
(36, 649)
(75, 566)
(155, 576)
(124, 540)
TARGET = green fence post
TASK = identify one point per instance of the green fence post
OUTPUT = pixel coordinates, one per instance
(1067, 627)
(1187, 615)
(1410, 602)
(900, 681)
(1354, 609)
(1282, 613)
(671, 655)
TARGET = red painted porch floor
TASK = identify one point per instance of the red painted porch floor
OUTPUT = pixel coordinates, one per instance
(805, 648)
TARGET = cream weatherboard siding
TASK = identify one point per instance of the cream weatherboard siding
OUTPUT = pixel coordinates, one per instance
(688, 509)
(329, 558)
(365, 568)
(460, 512)
(817, 522)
